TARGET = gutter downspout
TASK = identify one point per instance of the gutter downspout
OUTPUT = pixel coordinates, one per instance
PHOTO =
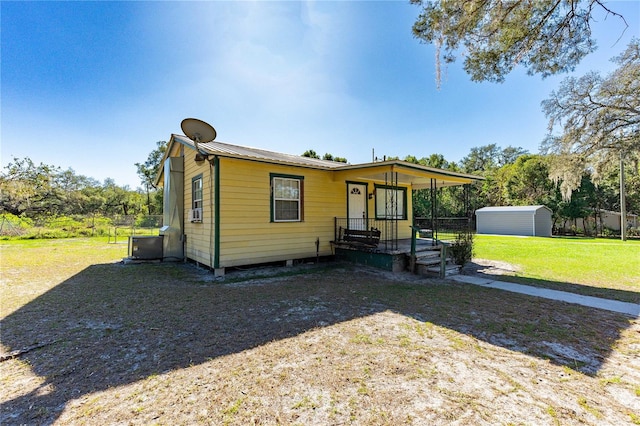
(216, 183)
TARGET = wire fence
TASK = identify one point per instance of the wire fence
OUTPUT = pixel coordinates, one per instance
(116, 228)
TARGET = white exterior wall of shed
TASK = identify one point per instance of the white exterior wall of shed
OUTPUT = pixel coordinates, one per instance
(504, 221)
(543, 223)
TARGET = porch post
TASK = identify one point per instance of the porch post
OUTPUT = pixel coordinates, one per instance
(412, 260)
(467, 206)
(434, 210)
(395, 214)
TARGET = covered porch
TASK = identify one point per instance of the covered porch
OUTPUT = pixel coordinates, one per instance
(419, 255)
(396, 240)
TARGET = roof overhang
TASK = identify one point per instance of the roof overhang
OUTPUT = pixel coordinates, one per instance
(407, 174)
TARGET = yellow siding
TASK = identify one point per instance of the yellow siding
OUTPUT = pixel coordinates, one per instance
(247, 235)
(199, 235)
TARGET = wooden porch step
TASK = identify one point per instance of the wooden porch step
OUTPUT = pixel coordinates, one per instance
(428, 261)
(428, 249)
(428, 253)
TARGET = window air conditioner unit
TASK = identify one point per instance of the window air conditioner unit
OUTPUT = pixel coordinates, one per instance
(195, 215)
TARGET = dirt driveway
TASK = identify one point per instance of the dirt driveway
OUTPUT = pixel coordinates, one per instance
(320, 345)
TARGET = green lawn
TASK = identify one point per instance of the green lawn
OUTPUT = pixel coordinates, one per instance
(587, 262)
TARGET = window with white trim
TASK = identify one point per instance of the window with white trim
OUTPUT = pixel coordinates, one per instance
(286, 198)
(196, 192)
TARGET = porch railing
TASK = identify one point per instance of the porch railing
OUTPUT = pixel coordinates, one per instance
(445, 228)
(388, 229)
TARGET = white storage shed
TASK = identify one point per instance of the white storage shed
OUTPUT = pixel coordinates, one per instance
(514, 220)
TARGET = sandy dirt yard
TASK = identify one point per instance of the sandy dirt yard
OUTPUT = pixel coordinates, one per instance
(329, 344)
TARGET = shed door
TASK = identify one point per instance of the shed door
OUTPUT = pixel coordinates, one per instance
(357, 205)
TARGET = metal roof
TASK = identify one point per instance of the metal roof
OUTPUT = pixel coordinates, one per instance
(417, 175)
(511, 209)
(229, 150)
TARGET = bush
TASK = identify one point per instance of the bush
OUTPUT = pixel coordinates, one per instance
(462, 248)
(633, 232)
(149, 221)
(63, 223)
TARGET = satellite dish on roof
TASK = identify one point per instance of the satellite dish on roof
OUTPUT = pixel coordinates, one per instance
(198, 131)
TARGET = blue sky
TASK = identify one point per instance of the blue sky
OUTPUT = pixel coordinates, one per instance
(93, 85)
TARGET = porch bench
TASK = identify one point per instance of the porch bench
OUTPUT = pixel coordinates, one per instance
(367, 237)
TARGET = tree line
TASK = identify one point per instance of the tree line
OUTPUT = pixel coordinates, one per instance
(37, 191)
(515, 177)
(41, 190)
(512, 177)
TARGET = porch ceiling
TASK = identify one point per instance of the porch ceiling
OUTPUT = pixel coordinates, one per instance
(415, 175)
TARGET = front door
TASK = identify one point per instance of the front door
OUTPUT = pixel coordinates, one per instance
(357, 206)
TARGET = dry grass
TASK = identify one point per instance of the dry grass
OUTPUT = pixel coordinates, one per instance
(328, 344)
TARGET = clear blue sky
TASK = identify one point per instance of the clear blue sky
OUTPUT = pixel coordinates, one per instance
(93, 85)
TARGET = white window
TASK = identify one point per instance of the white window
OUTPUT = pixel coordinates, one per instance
(286, 198)
(195, 215)
(196, 192)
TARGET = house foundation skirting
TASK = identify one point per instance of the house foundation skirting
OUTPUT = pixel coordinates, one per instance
(395, 262)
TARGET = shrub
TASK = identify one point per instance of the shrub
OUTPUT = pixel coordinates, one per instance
(462, 248)
(608, 232)
(149, 221)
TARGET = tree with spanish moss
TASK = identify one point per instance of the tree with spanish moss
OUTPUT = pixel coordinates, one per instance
(594, 122)
(546, 37)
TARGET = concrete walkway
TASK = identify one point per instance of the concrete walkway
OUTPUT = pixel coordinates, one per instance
(632, 309)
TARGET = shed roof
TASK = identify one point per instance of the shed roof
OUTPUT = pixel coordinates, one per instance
(505, 209)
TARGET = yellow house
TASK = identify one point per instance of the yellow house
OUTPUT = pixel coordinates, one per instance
(228, 206)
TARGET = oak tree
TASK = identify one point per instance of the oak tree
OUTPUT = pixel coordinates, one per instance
(598, 119)
(599, 122)
(545, 36)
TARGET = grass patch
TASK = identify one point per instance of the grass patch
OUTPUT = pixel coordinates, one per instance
(582, 401)
(610, 380)
(53, 260)
(591, 265)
